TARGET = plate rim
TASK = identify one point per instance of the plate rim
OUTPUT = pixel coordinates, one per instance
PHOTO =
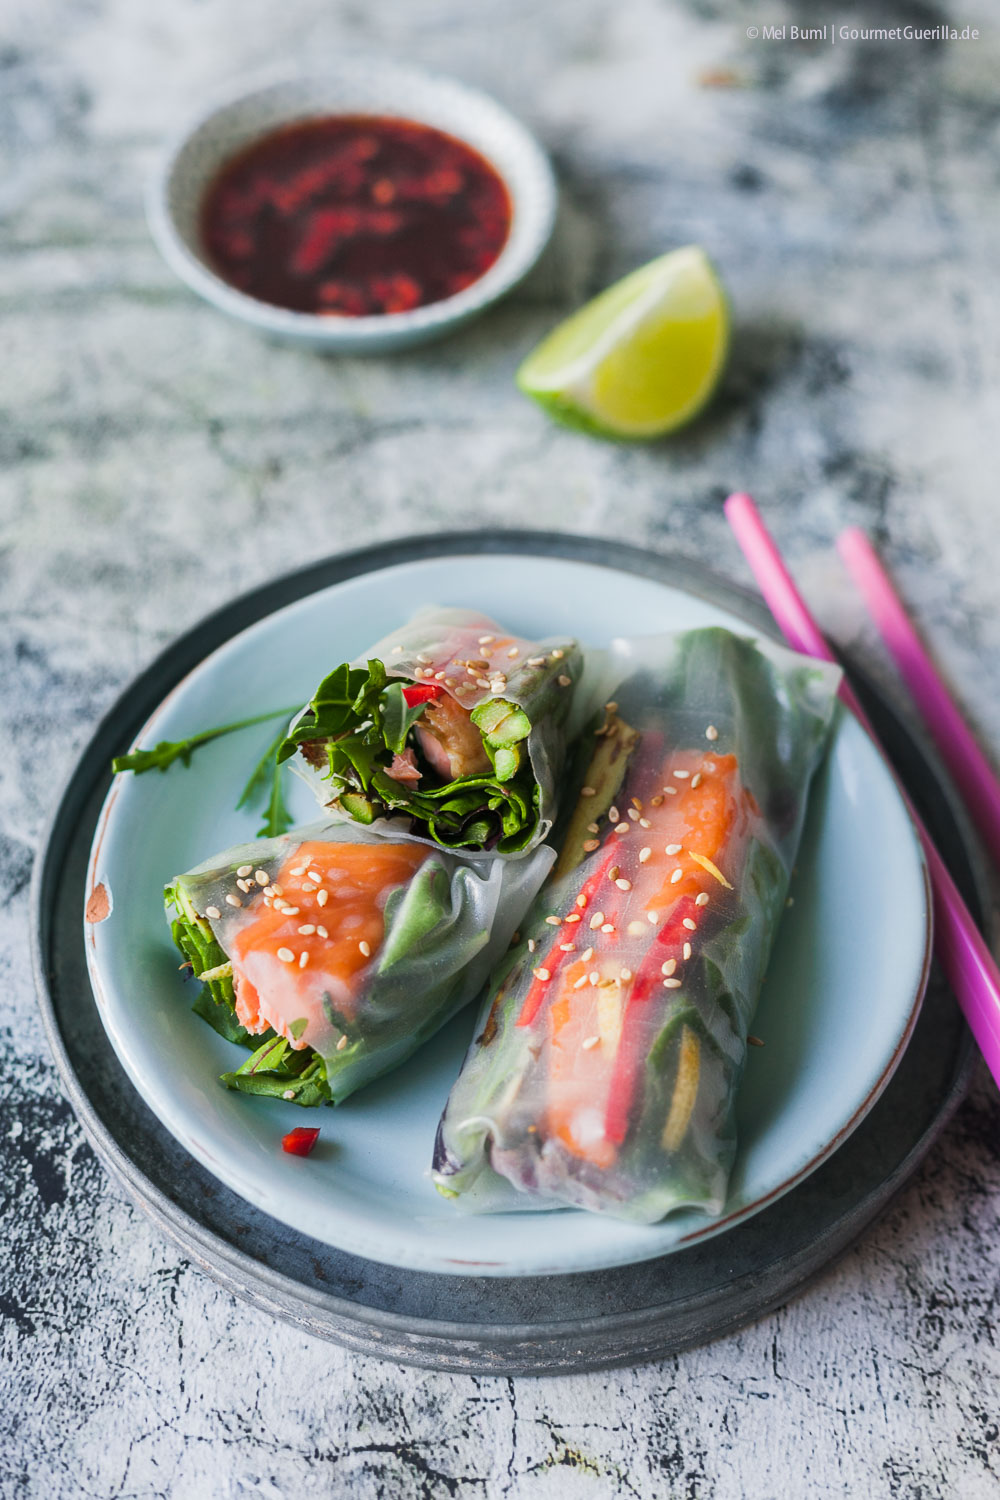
(700, 582)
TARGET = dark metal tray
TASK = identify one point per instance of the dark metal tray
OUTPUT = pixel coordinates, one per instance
(528, 1325)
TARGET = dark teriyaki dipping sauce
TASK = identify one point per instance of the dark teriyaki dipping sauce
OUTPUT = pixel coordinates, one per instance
(355, 215)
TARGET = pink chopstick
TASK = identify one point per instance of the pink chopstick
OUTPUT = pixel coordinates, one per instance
(963, 954)
(975, 776)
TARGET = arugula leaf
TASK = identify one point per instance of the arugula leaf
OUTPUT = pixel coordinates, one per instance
(266, 780)
(167, 751)
(398, 718)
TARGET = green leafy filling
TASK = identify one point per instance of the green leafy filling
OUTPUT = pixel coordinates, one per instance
(362, 721)
(297, 1075)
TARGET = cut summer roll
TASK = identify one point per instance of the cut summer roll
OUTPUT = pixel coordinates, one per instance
(332, 954)
(606, 1061)
(450, 722)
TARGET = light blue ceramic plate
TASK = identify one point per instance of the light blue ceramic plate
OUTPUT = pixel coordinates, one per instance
(840, 1000)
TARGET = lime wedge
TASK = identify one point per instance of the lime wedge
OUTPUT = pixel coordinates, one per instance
(643, 357)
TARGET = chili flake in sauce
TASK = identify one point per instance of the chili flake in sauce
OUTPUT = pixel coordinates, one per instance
(354, 215)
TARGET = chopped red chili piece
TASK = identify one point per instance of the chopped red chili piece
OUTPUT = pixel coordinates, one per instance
(425, 693)
(392, 213)
(300, 1141)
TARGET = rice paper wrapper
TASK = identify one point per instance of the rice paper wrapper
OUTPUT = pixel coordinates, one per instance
(610, 1048)
(397, 937)
(475, 661)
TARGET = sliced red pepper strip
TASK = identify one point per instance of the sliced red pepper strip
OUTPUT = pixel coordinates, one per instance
(668, 943)
(536, 994)
(427, 692)
(300, 1141)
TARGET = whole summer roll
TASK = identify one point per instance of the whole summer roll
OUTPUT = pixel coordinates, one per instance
(450, 722)
(332, 953)
(608, 1055)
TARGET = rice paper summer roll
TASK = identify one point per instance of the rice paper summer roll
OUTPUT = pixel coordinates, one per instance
(332, 954)
(451, 722)
(607, 1058)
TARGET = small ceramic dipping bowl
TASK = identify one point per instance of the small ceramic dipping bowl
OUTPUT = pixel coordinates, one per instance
(191, 164)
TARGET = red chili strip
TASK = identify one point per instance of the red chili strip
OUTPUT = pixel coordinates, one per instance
(427, 692)
(555, 957)
(668, 943)
(300, 1141)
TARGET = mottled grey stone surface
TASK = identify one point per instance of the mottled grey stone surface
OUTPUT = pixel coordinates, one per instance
(157, 459)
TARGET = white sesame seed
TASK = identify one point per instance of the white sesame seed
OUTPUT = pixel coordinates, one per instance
(579, 983)
(397, 650)
(299, 870)
(622, 828)
(673, 849)
(245, 870)
(636, 929)
(645, 854)
(633, 814)
(711, 733)
(682, 775)
(686, 950)
(581, 900)
(653, 916)
(690, 924)
(322, 932)
(696, 779)
(439, 677)
(286, 955)
(613, 814)
(423, 658)
(303, 958)
(233, 900)
(536, 661)
(291, 911)
(553, 920)
(563, 680)
(512, 653)
(267, 901)
(244, 885)
(586, 955)
(669, 966)
(482, 682)
(308, 886)
(449, 682)
(671, 984)
(587, 791)
(558, 653)
(532, 945)
(322, 898)
(364, 949)
(541, 974)
(589, 845)
(623, 884)
(592, 828)
(314, 875)
(213, 912)
(626, 975)
(645, 823)
(596, 920)
(593, 976)
(701, 899)
(670, 791)
(484, 640)
(342, 1044)
(589, 1042)
(269, 891)
(567, 947)
(607, 927)
(288, 1094)
(307, 929)
(277, 890)
(574, 916)
(262, 877)
(676, 875)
